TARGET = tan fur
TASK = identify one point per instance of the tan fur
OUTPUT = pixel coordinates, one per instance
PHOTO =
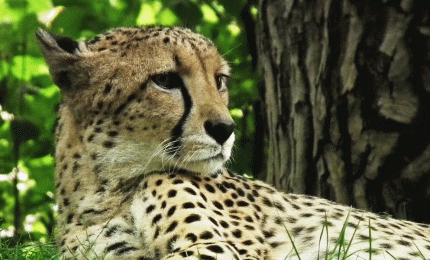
(140, 174)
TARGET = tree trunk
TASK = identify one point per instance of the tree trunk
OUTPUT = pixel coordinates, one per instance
(348, 107)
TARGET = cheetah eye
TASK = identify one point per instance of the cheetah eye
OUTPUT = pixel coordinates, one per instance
(168, 80)
(221, 81)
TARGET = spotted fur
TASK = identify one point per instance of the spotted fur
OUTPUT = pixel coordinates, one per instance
(143, 135)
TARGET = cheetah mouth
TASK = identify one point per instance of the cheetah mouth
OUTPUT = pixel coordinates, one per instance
(216, 157)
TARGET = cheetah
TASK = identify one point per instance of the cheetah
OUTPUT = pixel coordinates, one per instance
(143, 137)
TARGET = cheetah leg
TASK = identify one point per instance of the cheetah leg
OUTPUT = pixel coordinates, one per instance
(115, 239)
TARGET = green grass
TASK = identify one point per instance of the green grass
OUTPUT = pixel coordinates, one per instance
(28, 251)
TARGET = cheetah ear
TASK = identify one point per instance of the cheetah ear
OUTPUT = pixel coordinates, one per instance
(61, 54)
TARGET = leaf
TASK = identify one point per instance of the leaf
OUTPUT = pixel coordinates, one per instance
(188, 12)
(17, 4)
(42, 171)
(23, 130)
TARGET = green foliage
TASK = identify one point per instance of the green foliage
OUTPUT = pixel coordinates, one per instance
(29, 99)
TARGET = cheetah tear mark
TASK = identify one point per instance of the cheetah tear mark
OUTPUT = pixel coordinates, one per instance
(177, 131)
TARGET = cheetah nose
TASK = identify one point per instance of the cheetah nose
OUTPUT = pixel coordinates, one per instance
(219, 129)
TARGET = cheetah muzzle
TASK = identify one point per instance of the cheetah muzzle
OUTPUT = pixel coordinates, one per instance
(142, 140)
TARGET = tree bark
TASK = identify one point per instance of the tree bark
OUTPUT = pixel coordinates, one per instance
(347, 88)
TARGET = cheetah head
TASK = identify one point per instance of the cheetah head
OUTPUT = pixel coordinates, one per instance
(143, 99)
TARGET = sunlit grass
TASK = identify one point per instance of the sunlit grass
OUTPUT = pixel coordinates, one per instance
(28, 251)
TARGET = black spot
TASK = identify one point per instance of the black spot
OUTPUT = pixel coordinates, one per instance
(172, 226)
(240, 192)
(279, 206)
(101, 189)
(186, 253)
(234, 217)
(247, 242)
(195, 184)
(197, 178)
(206, 257)
(166, 40)
(171, 194)
(408, 237)
(108, 144)
(70, 218)
(224, 224)
(116, 246)
(242, 251)
(156, 219)
(188, 205)
(381, 225)
(278, 220)
(206, 235)
(298, 208)
(76, 166)
(150, 208)
(157, 232)
(178, 181)
(112, 133)
(248, 227)
(228, 203)
(66, 202)
(213, 221)
(267, 202)
(77, 184)
(306, 215)
(192, 237)
(296, 231)
(395, 226)
(404, 242)
(192, 218)
(242, 203)
(218, 205)
(171, 211)
(111, 231)
(249, 219)
(108, 88)
(126, 249)
(222, 188)
(268, 234)
(203, 197)
(190, 191)
(257, 207)
(274, 244)
(158, 182)
(250, 197)
(237, 233)
(216, 249)
(210, 188)
(119, 109)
